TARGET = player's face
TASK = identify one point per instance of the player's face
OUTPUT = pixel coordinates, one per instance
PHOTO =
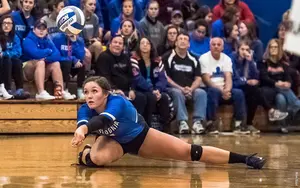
(7, 25)
(128, 7)
(90, 6)
(145, 45)
(40, 31)
(153, 10)
(94, 95)
(28, 5)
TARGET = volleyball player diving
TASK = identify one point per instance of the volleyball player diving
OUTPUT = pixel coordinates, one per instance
(122, 130)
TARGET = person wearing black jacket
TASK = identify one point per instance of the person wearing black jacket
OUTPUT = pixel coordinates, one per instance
(150, 78)
(116, 68)
(275, 78)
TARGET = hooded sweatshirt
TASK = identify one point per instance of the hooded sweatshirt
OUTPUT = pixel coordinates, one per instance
(70, 51)
(35, 48)
(97, 11)
(22, 28)
(153, 29)
(246, 14)
(243, 70)
(148, 79)
(13, 48)
(115, 8)
(116, 23)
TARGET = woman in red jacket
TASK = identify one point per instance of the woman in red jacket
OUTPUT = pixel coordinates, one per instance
(245, 12)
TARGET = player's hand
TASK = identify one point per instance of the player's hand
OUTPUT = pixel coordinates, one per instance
(79, 136)
(119, 92)
(78, 64)
(131, 95)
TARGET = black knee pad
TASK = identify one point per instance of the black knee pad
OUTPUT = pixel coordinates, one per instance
(89, 161)
(196, 152)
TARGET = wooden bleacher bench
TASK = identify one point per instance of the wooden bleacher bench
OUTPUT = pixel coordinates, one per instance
(59, 116)
(35, 116)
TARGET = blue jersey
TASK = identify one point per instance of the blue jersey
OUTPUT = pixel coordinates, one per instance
(125, 117)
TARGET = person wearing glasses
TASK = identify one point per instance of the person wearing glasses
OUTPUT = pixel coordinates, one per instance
(10, 53)
(199, 43)
(169, 42)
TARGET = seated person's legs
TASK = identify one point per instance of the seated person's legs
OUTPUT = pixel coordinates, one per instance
(239, 105)
(214, 97)
(139, 102)
(292, 100)
(150, 107)
(35, 71)
(3, 92)
(182, 114)
(96, 49)
(87, 59)
(268, 95)
(80, 72)
(54, 70)
(163, 109)
(281, 104)
(199, 114)
(17, 74)
(7, 66)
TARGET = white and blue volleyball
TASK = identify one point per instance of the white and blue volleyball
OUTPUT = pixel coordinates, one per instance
(70, 20)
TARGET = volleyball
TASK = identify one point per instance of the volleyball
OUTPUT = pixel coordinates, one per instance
(70, 20)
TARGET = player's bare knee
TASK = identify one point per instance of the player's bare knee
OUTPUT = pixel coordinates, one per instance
(101, 160)
(196, 152)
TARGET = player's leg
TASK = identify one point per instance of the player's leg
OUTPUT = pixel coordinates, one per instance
(104, 151)
(174, 148)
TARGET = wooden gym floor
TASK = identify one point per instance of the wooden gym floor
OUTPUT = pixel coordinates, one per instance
(46, 161)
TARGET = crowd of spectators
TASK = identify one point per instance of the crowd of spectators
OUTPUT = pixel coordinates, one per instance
(160, 55)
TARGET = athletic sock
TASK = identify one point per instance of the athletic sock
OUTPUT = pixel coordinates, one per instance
(236, 158)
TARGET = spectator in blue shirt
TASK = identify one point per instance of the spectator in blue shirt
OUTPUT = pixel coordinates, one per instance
(97, 10)
(126, 14)
(25, 18)
(11, 51)
(231, 36)
(199, 42)
(115, 8)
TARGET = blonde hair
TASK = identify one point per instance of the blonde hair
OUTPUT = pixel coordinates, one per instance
(279, 56)
(286, 15)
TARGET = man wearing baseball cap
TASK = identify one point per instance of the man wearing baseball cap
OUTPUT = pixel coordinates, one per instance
(40, 58)
(177, 20)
